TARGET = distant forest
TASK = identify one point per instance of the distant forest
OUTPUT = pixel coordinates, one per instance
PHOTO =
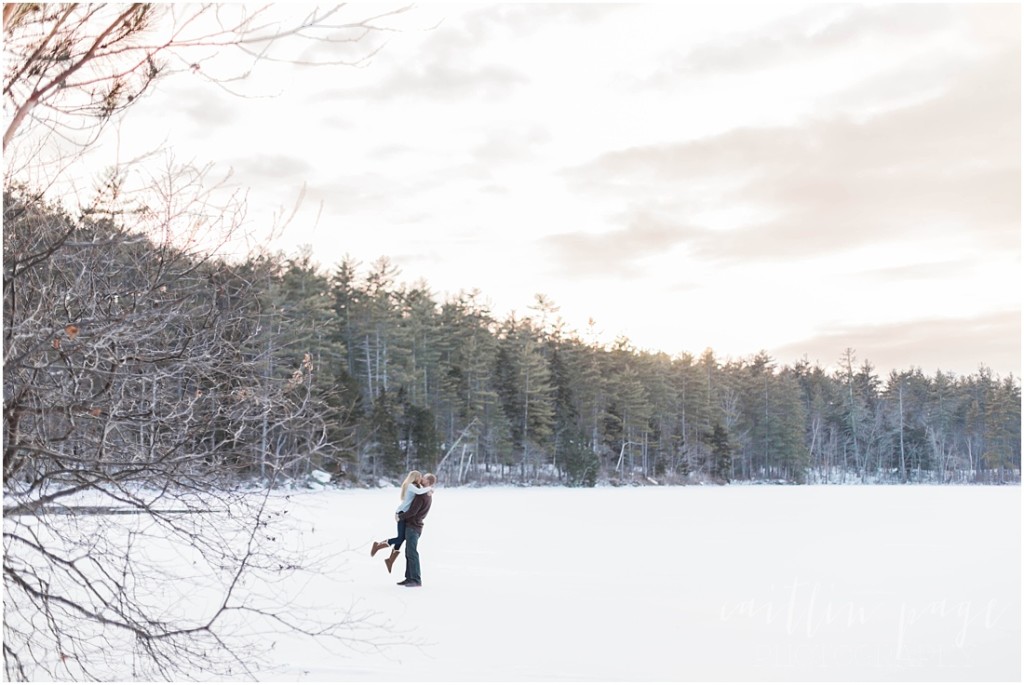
(124, 352)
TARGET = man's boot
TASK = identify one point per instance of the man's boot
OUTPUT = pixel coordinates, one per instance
(391, 560)
(378, 546)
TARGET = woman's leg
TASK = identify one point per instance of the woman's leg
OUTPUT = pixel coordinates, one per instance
(397, 541)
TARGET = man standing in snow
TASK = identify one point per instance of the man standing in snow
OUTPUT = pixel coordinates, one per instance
(413, 518)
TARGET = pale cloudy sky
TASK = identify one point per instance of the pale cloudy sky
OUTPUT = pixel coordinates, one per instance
(794, 178)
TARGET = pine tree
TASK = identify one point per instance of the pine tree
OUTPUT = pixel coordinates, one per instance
(524, 386)
(383, 448)
(581, 465)
(787, 427)
(1002, 428)
(721, 454)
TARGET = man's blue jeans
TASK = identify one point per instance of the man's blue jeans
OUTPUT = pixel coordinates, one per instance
(412, 555)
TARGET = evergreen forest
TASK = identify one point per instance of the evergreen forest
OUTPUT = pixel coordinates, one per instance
(127, 352)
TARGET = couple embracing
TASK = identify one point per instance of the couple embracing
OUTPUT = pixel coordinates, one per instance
(417, 489)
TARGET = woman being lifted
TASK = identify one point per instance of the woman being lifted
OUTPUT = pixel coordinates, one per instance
(411, 486)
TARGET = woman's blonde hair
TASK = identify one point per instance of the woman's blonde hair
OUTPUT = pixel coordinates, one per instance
(413, 476)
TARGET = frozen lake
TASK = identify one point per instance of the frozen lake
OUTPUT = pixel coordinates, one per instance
(917, 583)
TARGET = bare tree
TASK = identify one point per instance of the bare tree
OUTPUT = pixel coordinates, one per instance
(71, 66)
(133, 397)
(135, 386)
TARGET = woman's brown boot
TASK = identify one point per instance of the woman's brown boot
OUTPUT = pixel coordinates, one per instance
(391, 560)
(378, 546)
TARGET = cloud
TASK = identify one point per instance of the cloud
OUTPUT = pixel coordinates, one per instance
(524, 19)
(348, 46)
(262, 167)
(435, 82)
(464, 33)
(614, 253)
(967, 343)
(930, 271)
(450, 63)
(346, 194)
(947, 164)
(204, 108)
(391, 151)
(440, 71)
(810, 34)
(509, 142)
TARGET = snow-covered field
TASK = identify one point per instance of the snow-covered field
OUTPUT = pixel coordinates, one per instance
(687, 583)
(781, 583)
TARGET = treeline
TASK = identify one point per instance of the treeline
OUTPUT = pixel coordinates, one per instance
(524, 399)
(125, 353)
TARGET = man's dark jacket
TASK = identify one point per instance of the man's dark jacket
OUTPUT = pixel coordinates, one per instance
(417, 512)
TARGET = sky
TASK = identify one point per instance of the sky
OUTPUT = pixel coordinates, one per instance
(794, 178)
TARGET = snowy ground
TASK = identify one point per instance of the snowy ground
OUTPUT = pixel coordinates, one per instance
(914, 583)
